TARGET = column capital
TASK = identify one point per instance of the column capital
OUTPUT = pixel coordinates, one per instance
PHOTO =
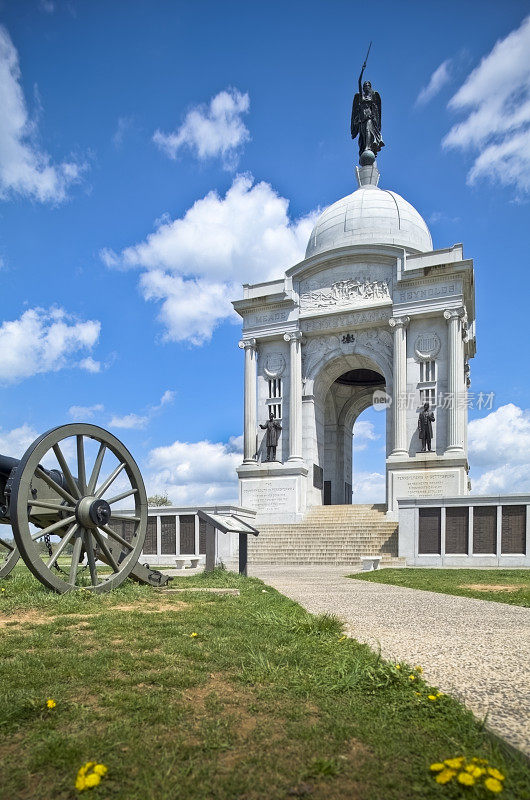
(454, 313)
(293, 335)
(398, 322)
(244, 343)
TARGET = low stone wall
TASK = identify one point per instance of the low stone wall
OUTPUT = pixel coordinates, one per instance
(472, 531)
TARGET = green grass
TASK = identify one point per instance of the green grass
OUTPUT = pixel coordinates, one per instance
(268, 701)
(487, 584)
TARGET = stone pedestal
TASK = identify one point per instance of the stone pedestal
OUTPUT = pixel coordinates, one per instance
(277, 492)
(426, 475)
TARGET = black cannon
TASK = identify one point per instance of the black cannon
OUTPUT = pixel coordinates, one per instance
(62, 518)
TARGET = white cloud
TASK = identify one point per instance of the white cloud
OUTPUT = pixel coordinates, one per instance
(368, 487)
(24, 168)
(48, 6)
(42, 340)
(131, 421)
(499, 444)
(496, 98)
(190, 309)
(195, 264)
(437, 81)
(80, 413)
(90, 365)
(140, 421)
(195, 472)
(211, 131)
(123, 127)
(14, 443)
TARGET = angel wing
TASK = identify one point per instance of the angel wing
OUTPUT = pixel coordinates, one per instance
(355, 115)
(377, 101)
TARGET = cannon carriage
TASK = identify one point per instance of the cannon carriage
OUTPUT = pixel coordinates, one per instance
(62, 515)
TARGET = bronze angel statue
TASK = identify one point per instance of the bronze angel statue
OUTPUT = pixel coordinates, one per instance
(366, 119)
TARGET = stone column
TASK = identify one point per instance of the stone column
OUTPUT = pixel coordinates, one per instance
(455, 380)
(249, 431)
(399, 400)
(295, 395)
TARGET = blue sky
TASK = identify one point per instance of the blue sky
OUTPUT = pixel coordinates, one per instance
(155, 155)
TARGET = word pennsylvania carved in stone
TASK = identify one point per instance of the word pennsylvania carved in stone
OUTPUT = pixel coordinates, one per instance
(347, 292)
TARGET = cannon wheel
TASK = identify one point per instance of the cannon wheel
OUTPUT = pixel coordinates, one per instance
(9, 556)
(80, 510)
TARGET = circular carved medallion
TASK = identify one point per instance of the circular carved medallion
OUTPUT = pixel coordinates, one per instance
(274, 365)
(427, 345)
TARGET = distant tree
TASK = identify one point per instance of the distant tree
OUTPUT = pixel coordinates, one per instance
(158, 500)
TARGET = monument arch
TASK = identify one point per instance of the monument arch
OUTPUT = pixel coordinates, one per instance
(371, 298)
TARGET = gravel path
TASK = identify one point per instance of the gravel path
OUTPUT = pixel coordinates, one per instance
(476, 650)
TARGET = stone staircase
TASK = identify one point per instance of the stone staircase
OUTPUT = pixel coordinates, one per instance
(329, 535)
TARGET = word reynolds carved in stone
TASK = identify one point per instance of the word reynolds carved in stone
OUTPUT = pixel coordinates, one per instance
(346, 292)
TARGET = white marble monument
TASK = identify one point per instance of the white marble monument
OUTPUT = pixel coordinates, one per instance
(371, 315)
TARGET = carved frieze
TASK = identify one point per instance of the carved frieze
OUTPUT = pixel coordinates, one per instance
(348, 292)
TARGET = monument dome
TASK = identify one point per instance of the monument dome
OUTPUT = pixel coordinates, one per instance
(370, 216)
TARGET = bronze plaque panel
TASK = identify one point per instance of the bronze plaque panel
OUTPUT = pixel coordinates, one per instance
(187, 534)
(168, 535)
(150, 538)
(202, 537)
(457, 530)
(430, 531)
(485, 530)
(513, 531)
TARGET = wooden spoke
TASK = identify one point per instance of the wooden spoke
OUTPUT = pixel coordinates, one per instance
(39, 472)
(78, 544)
(74, 488)
(7, 545)
(111, 532)
(106, 552)
(55, 511)
(112, 477)
(97, 469)
(51, 528)
(121, 496)
(49, 504)
(81, 468)
(62, 544)
(89, 547)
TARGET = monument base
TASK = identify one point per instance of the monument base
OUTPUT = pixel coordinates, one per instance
(277, 492)
(425, 475)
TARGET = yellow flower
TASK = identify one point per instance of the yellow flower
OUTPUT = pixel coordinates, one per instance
(454, 763)
(436, 767)
(418, 693)
(445, 775)
(412, 677)
(51, 703)
(398, 666)
(493, 785)
(418, 668)
(474, 770)
(93, 778)
(193, 635)
(465, 778)
(495, 773)
(432, 697)
(342, 638)
(3, 589)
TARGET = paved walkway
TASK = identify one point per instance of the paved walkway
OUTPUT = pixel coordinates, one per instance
(476, 650)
